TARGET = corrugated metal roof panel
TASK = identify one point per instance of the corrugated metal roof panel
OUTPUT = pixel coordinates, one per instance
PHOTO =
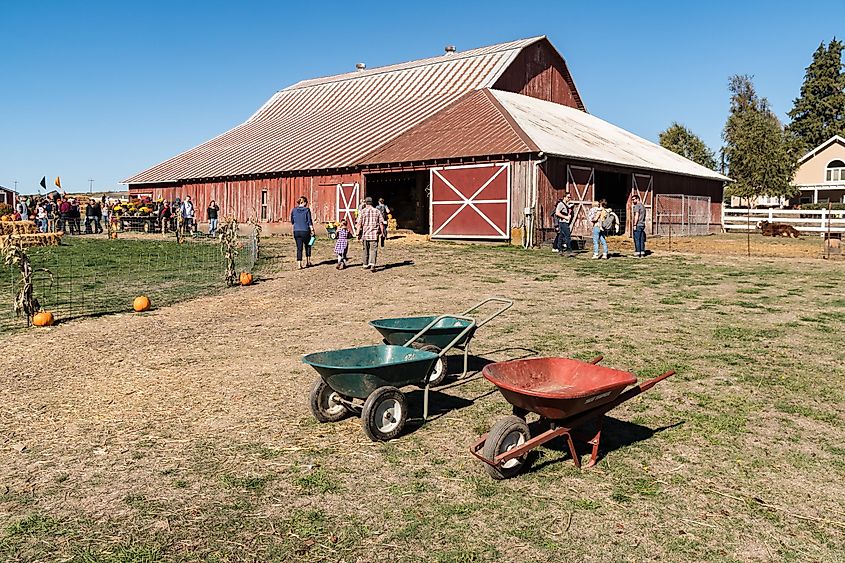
(475, 125)
(563, 131)
(332, 122)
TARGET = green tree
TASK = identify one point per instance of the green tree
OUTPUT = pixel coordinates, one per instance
(757, 152)
(818, 113)
(684, 142)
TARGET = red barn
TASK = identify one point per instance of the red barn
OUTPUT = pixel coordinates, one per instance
(467, 145)
(7, 196)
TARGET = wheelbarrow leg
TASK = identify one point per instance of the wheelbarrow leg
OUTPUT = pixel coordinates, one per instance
(425, 402)
(572, 451)
(595, 443)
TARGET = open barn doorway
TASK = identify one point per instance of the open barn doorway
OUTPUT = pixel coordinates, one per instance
(406, 194)
(614, 187)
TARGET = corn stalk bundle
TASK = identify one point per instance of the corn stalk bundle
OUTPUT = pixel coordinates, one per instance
(228, 235)
(256, 234)
(14, 256)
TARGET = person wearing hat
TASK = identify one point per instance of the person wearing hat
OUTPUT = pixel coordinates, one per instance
(370, 228)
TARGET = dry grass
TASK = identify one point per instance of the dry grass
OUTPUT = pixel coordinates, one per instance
(184, 433)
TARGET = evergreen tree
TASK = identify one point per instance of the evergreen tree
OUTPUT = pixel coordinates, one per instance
(684, 142)
(757, 151)
(819, 111)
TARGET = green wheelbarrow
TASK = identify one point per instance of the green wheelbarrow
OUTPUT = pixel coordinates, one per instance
(367, 380)
(440, 336)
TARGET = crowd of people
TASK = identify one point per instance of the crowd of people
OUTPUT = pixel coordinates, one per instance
(60, 212)
(370, 228)
(603, 222)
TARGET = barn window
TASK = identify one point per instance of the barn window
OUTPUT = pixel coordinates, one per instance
(835, 171)
(263, 205)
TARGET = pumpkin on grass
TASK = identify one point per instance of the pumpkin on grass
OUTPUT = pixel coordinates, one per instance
(141, 303)
(246, 278)
(43, 318)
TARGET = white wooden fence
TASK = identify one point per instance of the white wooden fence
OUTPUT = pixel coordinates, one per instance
(804, 220)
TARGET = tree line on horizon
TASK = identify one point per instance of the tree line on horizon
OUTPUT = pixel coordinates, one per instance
(760, 154)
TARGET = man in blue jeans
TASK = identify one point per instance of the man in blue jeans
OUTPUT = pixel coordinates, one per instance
(638, 226)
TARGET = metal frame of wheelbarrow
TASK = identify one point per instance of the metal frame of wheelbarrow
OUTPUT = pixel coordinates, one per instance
(566, 427)
(507, 304)
(472, 325)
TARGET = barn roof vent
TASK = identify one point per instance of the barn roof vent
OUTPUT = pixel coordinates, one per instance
(449, 49)
(360, 66)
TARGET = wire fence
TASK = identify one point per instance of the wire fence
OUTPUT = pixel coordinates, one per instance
(96, 276)
(683, 215)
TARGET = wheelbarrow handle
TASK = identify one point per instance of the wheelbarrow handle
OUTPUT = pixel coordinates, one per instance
(470, 325)
(504, 303)
(646, 385)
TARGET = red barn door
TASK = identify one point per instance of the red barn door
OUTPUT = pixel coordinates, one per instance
(347, 200)
(581, 184)
(471, 202)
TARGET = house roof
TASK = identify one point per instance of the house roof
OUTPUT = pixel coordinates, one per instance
(820, 148)
(567, 132)
(333, 122)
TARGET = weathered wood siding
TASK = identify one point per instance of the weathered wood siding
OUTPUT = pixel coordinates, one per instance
(540, 72)
(242, 198)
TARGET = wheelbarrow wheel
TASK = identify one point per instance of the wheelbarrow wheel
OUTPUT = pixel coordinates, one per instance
(438, 374)
(384, 414)
(325, 403)
(507, 434)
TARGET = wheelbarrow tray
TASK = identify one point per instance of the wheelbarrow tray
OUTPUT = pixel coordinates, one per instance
(399, 330)
(357, 372)
(557, 388)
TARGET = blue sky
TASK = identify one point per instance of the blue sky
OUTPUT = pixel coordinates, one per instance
(102, 90)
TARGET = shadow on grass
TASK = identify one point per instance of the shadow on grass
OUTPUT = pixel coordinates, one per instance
(615, 434)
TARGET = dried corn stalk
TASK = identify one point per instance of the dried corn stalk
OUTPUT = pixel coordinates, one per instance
(256, 235)
(14, 256)
(228, 234)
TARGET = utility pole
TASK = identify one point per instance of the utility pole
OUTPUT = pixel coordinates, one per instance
(90, 186)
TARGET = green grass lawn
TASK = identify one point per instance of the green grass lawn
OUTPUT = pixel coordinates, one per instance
(96, 276)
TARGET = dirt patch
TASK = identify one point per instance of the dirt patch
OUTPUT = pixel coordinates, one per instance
(185, 432)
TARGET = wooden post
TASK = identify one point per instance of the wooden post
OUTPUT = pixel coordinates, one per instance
(827, 242)
(748, 227)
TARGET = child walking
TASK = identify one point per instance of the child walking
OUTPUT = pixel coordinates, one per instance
(342, 244)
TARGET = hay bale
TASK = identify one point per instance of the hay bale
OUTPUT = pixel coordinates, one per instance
(17, 228)
(29, 240)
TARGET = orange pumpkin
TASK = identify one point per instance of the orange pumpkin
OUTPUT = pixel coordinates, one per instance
(141, 303)
(246, 278)
(43, 318)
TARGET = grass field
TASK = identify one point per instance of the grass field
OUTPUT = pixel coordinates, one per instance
(196, 442)
(89, 276)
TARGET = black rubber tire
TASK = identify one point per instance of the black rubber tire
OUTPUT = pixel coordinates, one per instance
(441, 368)
(322, 405)
(381, 425)
(502, 438)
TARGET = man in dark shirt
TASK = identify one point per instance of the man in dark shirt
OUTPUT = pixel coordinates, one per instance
(638, 226)
(211, 214)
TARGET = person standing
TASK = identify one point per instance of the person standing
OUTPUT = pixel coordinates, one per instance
(303, 229)
(64, 215)
(384, 210)
(597, 216)
(188, 214)
(22, 209)
(98, 217)
(564, 212)
(638, 226)
(211, 214)
(41, 217)
(370, 228)
(165, 215)
(89, 217)
(556, 224)
(342, 244)
(75, 217)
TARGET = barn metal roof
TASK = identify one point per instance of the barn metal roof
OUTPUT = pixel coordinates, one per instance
(475, 125)
(332, 122)
(563, 131)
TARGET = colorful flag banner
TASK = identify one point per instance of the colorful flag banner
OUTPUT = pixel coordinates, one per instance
(58, 182)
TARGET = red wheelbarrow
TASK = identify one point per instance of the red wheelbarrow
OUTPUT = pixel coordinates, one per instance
(567, 394)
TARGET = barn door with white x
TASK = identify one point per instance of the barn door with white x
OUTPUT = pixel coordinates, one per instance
(347, 201)
(471, 201)
(580, 183)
